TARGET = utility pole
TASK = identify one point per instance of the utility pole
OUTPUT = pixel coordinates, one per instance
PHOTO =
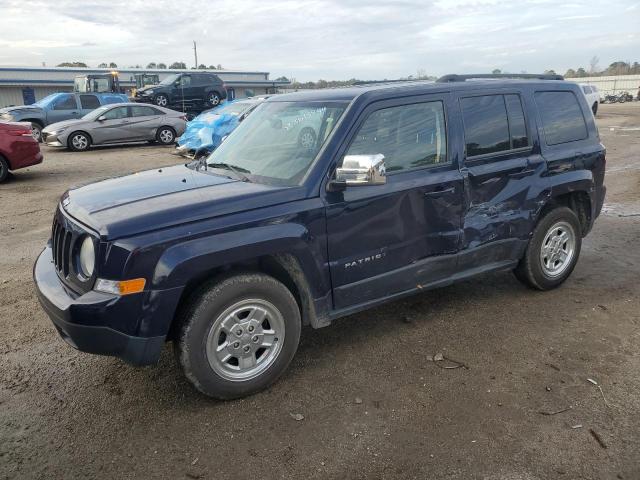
(195, 53)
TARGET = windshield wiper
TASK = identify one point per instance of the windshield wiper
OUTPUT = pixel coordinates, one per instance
(239, 171)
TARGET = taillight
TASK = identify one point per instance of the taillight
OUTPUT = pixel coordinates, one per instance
(183, 117)
(20, 133)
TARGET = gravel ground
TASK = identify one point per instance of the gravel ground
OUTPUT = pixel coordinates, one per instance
(373, 403)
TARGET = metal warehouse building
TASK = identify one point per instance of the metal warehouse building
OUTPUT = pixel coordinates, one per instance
(25, 85)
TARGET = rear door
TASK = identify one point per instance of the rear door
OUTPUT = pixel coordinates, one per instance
(500, 167)
(143, 122)
(88, 103)
(381, 236)
(114, 128)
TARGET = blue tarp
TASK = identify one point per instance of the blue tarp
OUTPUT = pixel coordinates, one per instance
(207, 130)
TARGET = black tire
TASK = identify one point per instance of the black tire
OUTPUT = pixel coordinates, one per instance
(166, 135)
(36, 131)
(307, 138)
(79, 142)
(594, 108)
(161, 100)
(530, 270)
(4, 169)
(204, 311)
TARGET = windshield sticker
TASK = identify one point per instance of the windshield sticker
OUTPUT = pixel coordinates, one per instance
(317, 112)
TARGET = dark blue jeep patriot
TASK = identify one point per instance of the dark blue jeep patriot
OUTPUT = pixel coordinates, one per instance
(405, 187)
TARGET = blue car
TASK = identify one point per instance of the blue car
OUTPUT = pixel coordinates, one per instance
(58, 107)
(206, 132)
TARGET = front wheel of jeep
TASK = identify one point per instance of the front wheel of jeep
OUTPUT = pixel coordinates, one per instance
(553, 250)
(237, 335)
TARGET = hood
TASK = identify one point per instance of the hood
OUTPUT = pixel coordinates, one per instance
(148, 87)
(21, 108)
(162, 198)
(58, 125)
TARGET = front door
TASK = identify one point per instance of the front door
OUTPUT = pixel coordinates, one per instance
(65, 107)
(381, 237)
(114, 128)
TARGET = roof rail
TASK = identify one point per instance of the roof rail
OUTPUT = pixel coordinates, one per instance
(382, 82)
(530, 76)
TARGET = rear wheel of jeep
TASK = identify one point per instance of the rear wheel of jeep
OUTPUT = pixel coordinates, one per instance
(553, 250)
(213, 98)
(161, 100)
(238, 335)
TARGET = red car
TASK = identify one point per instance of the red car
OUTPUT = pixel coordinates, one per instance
(18, 148)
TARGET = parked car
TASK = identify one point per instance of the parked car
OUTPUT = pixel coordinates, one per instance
(18, 148)
(117, 123)
(58, 107)
(193, 87)
(205, 132)
(408, 187)
(593, 96)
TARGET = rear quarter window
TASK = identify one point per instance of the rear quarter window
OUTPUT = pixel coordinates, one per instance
(562, 118)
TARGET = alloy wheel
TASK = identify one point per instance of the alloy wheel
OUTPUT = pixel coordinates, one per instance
(558, 249)
(245, 339)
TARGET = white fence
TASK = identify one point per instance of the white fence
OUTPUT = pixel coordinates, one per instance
(613, 84)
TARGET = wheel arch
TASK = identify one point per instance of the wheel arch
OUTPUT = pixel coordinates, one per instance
(79, 131)
(578, 200)
(283, 254)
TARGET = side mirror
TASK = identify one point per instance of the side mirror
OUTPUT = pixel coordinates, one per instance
(101, 118)
(359, 170)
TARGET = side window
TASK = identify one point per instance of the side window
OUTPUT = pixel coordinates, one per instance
(562, 119)
(116, 113)
(486, 128)
(409, 136)
(89, 102)
(66, 102)
(185, 80)
(144, 111)
(517, 125)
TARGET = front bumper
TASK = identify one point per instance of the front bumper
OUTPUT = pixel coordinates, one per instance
(142, 99)
(84, 321)
(51, 139)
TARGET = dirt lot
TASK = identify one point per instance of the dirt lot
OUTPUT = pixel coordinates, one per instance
(374, 406)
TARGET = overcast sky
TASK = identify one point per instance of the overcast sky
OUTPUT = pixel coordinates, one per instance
(328, 39)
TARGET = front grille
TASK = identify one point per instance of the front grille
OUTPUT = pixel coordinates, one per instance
(66, 238)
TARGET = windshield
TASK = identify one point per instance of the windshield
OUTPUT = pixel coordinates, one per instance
(93, 114)
(279, 141)
(170, 79)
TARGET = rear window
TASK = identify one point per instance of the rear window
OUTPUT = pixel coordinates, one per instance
(562, 119)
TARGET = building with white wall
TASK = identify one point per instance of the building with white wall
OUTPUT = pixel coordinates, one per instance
(24, 85)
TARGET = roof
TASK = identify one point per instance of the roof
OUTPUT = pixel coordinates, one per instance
(408, 87)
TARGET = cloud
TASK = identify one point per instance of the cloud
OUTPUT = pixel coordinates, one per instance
(331, 39)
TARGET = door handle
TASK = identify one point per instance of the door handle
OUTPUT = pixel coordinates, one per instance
(439, 192)
(522, 173)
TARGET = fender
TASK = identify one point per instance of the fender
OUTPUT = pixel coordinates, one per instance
(565, 183)
(185, 261)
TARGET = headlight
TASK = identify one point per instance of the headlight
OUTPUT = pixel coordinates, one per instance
(87, 257)
(148, 92)
(7, 116)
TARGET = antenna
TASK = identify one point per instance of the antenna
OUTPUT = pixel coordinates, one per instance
(195, 54)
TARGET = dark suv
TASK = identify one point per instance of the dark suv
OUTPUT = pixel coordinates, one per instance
(406, 187)
(190, 88)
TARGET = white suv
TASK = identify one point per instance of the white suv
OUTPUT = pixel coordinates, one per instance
(593, 96)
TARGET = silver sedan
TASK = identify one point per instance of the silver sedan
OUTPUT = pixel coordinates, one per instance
(117, 123)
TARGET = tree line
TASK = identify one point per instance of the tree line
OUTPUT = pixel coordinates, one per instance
(150, 66)
(616, 68)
